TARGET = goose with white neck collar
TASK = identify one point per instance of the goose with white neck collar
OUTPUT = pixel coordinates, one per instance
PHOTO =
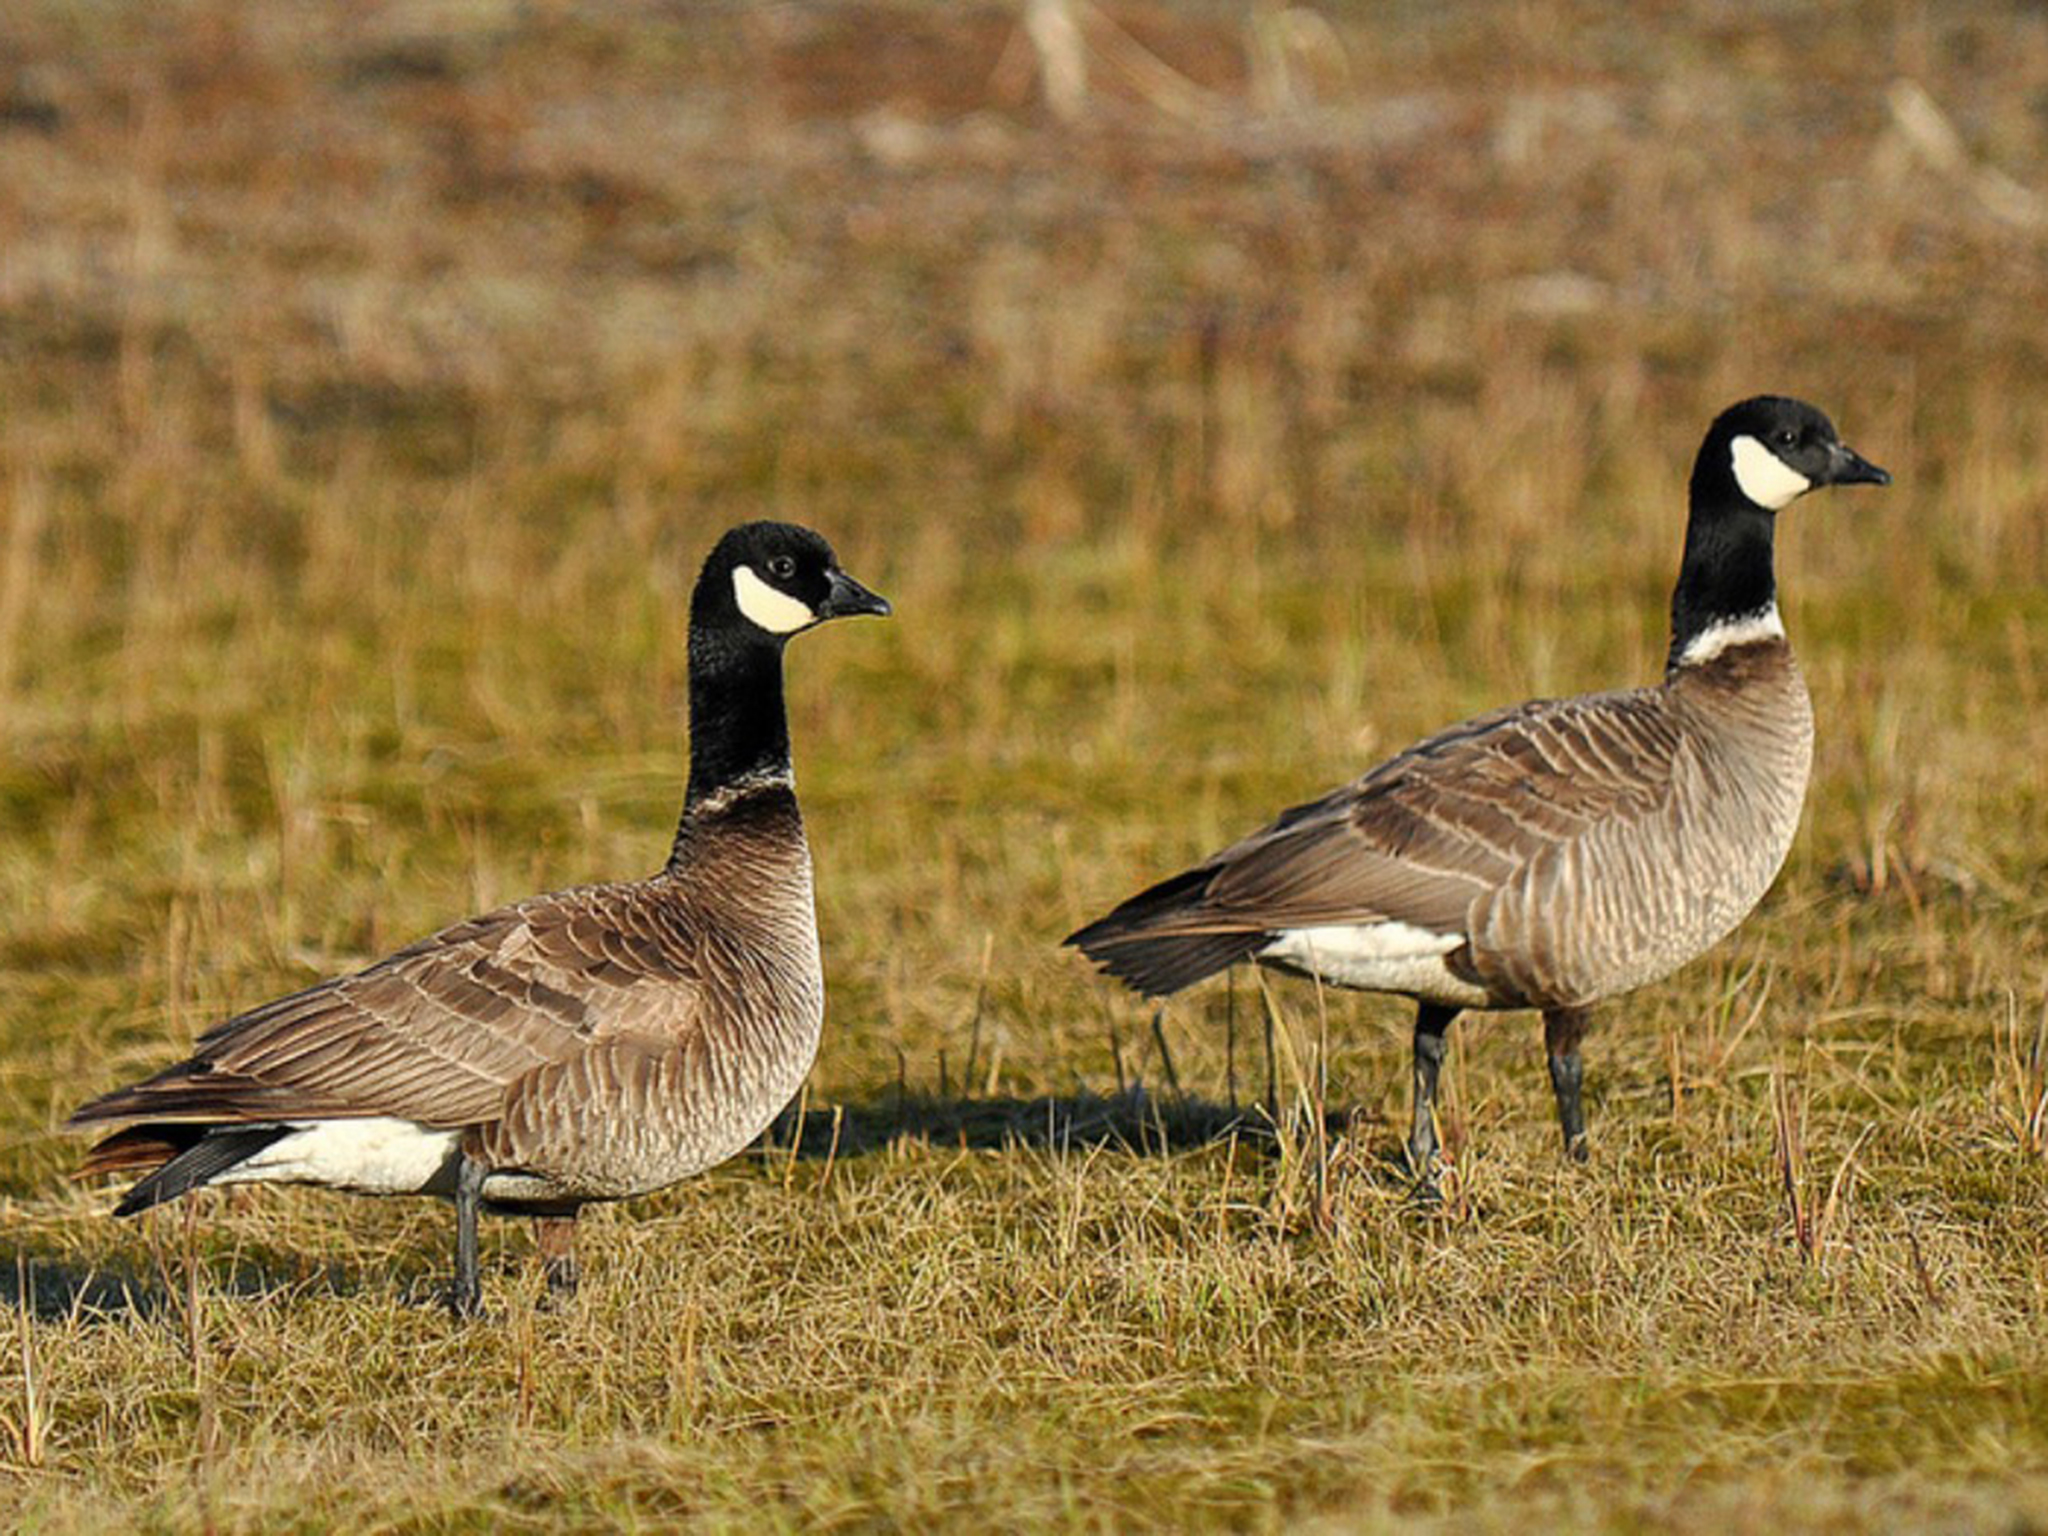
(1557, 853)
(592, 1044)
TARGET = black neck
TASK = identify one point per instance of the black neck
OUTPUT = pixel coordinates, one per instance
(1726, 573)
(739, 729)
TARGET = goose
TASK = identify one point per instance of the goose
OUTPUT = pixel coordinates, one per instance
(1554, 854)
(592, 1044)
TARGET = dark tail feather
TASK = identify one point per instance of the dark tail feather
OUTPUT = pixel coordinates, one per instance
(1156, 964)
(188, 1156)
(1156, 967)
(138, 1149)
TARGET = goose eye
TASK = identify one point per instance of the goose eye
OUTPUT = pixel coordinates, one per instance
(1787, 438)
(781, 567)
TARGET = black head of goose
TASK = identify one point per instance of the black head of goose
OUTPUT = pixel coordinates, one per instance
(592, 1044)
(1557, 853)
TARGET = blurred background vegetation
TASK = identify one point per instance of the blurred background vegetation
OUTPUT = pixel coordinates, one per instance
(1226, 394)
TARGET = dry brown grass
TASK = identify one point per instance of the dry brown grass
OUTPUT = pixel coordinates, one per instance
(373, 378)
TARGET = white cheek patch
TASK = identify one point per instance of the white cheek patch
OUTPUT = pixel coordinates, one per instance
(1765, 478)
(776, 612)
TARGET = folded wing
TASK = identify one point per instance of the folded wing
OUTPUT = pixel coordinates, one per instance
(1416, 841)
(438, 1032)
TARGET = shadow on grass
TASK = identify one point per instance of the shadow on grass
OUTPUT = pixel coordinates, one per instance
(55, 1289)
(1133, 1121)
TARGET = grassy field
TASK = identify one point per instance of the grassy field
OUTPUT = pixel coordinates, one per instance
(371, 381)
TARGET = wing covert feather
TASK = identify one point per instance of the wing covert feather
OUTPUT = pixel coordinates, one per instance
(1428, 831)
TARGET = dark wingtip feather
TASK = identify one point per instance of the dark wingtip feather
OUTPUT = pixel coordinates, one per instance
(138, 1148)
(1122, 944)
(196, 1155)
(1129, 917)
(1157, 967)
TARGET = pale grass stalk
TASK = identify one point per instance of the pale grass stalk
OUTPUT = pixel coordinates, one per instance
(28, 511)
(1271, 1022)
(30, 1432)
(523, 1369)
(988, 945)
(1303, 1130)
(1230, 1038)
(1065, 32)
(832, 1151)
(207, 1431)
(686, 1372)
(1447, 1117)
(1932, 136)
(1285, 1124)
(2021, 1077)
(1721, 1044)
(796, 1134)
(1814, 1229)
(1277, 37)
(1930, 1291)
(1834, 1211)
(1055, 36)
(1319, 1089)
(1750, 1021)
(1788, 1121)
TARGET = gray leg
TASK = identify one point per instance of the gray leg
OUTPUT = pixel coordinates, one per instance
(1563, 1029)
(466, 1299)
(1432, 1022)
(556, 1238)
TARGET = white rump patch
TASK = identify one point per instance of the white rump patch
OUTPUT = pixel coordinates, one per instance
(1376, 957)
(1729, 633)
(378, 1155)
(776, 612)
(1765, 478)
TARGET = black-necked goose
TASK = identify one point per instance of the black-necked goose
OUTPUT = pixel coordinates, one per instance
(1557, 853)
(593, 1044)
